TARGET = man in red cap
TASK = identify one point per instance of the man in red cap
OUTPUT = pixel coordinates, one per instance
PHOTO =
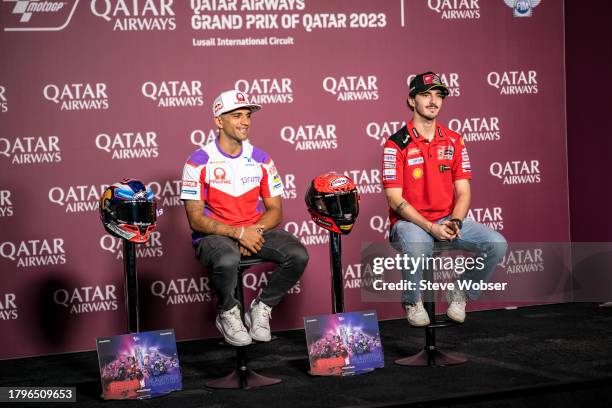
(223, 184)
(426, 176)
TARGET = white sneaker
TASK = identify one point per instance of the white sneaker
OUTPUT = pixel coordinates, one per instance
(456, 305)
(416, 314)
(230, 325)
(258, 321)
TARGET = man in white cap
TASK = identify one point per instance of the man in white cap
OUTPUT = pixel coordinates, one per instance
(223, 186)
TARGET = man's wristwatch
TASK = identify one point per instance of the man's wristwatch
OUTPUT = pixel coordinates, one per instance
(458, 222)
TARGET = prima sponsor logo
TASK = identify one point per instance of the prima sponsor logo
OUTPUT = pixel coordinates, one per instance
(39, 15)
(77, 97)
(307, 232)
(455, 9)
(266, 90)
(129, 145)
(352, 88)
(381, 225)
(35, 252)
(136, 15)
(514, 82)
(3, 100)
(523, 260)
(77, 198)
(201, 138)
(290, 189)
(479, 129)
(8, 307)
(310, 137)
(6, 205)
(182, 290)
(167, 192)
(522, 8)
(31, 149)
(367, 180)
(153, 248)
(257, 282)
(517, 172)
(87, 299)
(491, 217)
(173, 94)
(382, 131)
(358, 276)
(451, 80)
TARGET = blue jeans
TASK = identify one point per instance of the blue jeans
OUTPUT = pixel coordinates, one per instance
(475, 237)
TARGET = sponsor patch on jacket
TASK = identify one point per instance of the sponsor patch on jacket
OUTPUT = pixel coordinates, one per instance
(416, 160)
(389, 165)
(389, 172)
(389, 157)
(414, 150)
(390, 150)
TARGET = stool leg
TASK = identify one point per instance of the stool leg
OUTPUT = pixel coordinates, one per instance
(430, 355)
(242, 376)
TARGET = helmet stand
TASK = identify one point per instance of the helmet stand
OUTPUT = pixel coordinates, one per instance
(335, 252)
(131, 286)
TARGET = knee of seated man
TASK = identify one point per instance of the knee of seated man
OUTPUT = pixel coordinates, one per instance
(297, 254)
(227, 260)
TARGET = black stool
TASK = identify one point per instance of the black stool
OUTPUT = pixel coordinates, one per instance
(242, 376)
(432, 355)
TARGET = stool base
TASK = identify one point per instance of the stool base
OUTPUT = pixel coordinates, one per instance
(243, 378)
(432, 357)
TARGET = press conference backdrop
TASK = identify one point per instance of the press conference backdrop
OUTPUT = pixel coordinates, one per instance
(92, 91)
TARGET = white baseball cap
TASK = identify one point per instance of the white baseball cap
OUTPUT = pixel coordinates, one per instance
(229, 100)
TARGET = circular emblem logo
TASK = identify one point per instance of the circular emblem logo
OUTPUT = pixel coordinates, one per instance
(417, 173)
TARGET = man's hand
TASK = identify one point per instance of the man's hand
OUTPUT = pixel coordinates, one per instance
(252, 239)
(455, 227)
(443, 232)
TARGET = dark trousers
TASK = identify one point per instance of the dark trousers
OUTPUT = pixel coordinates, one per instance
(220, 255)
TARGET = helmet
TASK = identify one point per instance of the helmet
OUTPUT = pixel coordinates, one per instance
(333, 202)
(128, 210)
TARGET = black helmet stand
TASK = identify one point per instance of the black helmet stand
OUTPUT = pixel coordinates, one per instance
(131, 286)
(335, 252)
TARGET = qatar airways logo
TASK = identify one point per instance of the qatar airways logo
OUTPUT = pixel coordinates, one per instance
(6, 205)
(289, 187)
(201, 138)
(455, 9)
(174, 94)
(153, 248)
(257, 282)
(310, 137)
(381, 131)
(39, 15)
(34, 252)
(3, 100)
(491, 217)
(31, 149)
(478, 129)
(514, 82)
(352, 88)
(523, 261)
(367, 181)
(307, 232)
(8, 306)
(77, 199)
(166, 192)
(182, 291)
(380, 225)
(87, 299)
(266, 90)
(136, 15)
(358, 276)
(77, 97)
(517, 172)
(128, 145)
(451, 80)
